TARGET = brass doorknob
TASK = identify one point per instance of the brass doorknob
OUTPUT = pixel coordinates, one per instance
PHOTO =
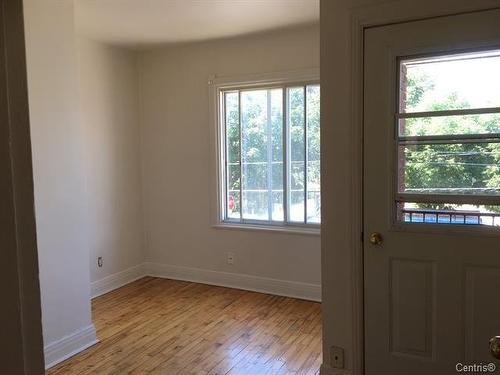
(495, 347)
(376, 238)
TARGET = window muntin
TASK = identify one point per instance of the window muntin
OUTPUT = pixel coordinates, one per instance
(271, 155)
(448, 139)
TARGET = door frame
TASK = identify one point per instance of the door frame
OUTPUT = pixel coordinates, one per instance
(341, 72)
(21, 344)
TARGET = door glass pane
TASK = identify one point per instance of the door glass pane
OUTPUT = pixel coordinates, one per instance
(450, 125)
(469, 168)
(313, 154)
(296, 150)
(449, 213)
(457, 155)
(469, 80)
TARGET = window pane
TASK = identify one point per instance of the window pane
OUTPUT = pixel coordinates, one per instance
(233, 191)
(255, 205)
(313, 155)
(450, 125)
(232, 155)
(255, 176)
(296, 191)
(254, 154)
(468, 168)
(262, 154)
(233, 204)
(278, 213)
(296, 151)
(276, 168)
(448, 213)
(460, 81)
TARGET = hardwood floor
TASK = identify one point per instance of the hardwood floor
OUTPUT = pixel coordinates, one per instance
(159, 326)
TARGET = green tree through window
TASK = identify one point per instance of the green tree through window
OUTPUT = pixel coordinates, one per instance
(258, 170)
(459, 168)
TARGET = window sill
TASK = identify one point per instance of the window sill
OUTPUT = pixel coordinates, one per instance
(312, 231)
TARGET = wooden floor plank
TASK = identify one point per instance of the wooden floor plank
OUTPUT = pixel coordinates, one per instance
(159, 326)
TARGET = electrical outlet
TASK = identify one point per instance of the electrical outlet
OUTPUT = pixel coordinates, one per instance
(99, 262)
(337, 357)
(230, 258)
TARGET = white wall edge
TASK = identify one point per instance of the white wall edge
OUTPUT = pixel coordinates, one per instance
(68, 346)
(294, 289)
(116, 280)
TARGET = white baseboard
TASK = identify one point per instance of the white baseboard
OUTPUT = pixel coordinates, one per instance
(68, 346)
(112, 282)
(285, 288)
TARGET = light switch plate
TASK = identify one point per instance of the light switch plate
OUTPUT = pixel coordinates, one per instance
(337, 357)
(230, 258)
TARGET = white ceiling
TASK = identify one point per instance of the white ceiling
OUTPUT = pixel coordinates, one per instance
(137, 23)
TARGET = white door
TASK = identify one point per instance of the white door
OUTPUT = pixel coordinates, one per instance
(432, 195)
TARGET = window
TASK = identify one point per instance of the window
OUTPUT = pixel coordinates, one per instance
(448, 139)
(270, 154)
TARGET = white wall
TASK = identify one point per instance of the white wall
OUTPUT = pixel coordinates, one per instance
(59, 183)
(87, 166)
(177, 165)
(110, 120)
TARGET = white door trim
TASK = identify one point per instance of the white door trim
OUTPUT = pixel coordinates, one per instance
(342, 248)
(21, 341)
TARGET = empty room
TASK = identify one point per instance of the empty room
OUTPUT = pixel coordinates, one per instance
(250, 187)
(177, 184)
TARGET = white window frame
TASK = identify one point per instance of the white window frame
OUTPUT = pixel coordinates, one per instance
(217, 85)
